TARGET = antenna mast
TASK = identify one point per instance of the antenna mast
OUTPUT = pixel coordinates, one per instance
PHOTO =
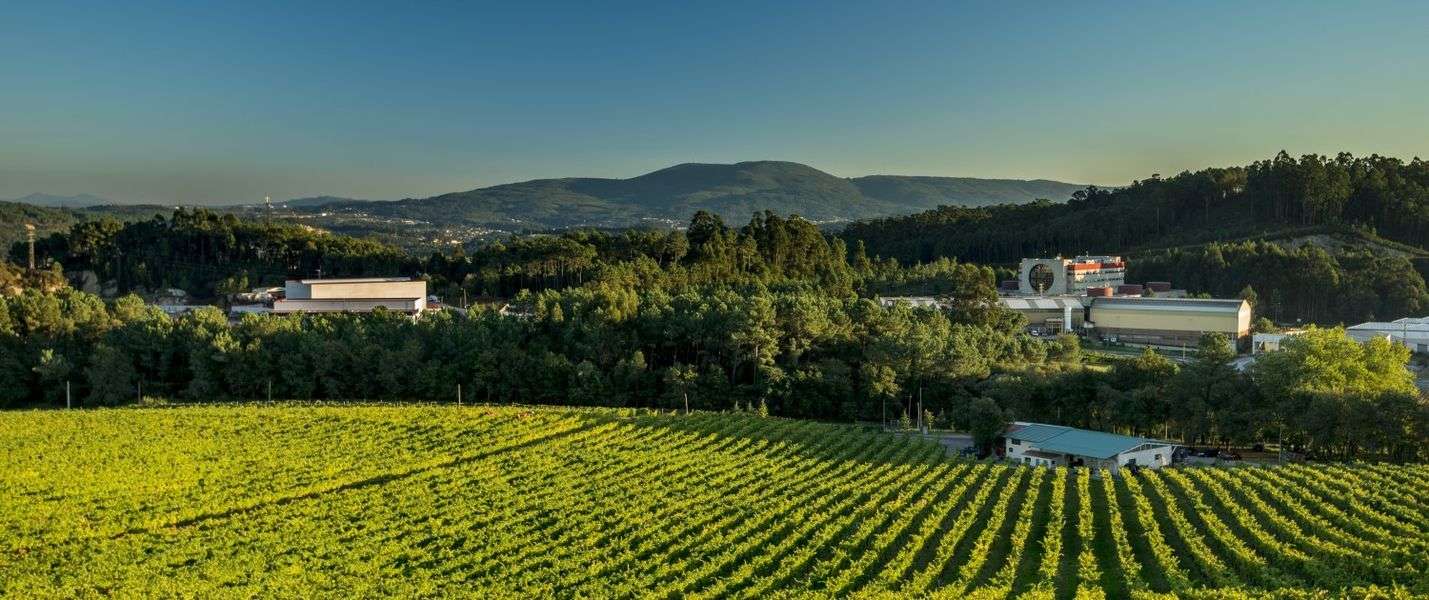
(268, 201)
(30, 237)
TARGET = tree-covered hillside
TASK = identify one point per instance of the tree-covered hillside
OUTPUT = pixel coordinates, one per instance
(1387, 195)
(1178, 228)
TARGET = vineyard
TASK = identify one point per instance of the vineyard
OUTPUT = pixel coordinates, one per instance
(303, 501)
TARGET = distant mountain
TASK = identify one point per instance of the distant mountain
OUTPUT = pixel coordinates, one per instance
(52, 200)
(734, 191)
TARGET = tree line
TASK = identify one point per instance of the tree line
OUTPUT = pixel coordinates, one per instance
(1288, 285)
(770, 316)
(208, 254)
(1324, 394)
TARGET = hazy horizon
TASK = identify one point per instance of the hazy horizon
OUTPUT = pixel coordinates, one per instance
(224, 103)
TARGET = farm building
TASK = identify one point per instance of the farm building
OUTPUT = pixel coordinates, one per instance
(1043, 445)
(400, 294)
(1168, 321)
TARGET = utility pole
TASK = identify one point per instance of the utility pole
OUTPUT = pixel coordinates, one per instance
(30, 237)
(270, 390)
(67, 404)
(458, 394)
(921, 424)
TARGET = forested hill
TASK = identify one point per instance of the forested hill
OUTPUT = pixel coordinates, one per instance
(733, 191)
(1386, 196)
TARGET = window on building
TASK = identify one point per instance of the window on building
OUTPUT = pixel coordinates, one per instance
(1026, 460)
(1014, 441)
(1158, 458)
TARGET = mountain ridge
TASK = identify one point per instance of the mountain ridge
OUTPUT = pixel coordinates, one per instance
(60, 201)
(732, 190)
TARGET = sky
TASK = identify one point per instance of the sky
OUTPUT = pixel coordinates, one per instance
(224, 102)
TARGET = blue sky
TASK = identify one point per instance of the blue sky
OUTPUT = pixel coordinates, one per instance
(221, 102)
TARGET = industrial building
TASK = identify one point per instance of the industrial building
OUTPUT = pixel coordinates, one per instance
(1412, 332)
(1174, 322)
(399, 294)
(1043, 445)
(1049, 315)
(1061, 276)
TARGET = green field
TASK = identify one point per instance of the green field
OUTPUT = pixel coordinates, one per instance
(381, 501)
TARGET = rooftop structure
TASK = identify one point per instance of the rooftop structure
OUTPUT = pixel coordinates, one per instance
(1056, 445)
(364, 294)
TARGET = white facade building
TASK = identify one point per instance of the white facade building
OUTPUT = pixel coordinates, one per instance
(399, 294)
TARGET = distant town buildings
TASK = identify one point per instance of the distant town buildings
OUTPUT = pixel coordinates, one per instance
(358, 295)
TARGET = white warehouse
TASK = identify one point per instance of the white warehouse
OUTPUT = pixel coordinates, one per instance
(366, 294)
(1054, 445)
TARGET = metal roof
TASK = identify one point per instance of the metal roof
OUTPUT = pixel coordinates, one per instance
(1015, 303)
(356, 280)
(1395, 327)
(1079, 442)
(1169, 304)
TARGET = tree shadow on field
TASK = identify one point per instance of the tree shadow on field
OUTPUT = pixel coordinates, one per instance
(811, 439)
(366, 482)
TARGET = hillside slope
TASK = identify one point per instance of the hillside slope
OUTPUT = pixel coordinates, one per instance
(734, 191)
(1265, 199)
(483, 501)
